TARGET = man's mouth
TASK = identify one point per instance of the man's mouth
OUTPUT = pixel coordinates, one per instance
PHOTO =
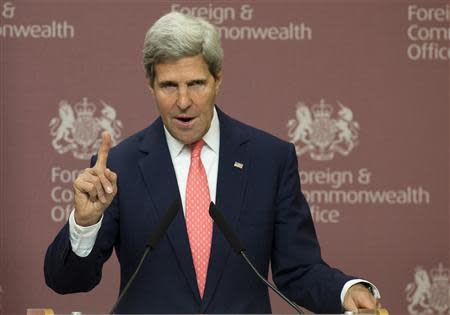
(184, 121)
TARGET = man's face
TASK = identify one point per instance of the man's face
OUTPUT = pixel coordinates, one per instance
(184, 92)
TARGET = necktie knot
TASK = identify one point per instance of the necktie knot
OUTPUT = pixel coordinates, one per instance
(196, 148)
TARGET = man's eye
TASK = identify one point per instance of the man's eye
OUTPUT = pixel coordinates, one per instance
(197, 83)
(168, 85)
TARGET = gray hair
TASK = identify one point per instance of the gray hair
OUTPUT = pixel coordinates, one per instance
(175, 36)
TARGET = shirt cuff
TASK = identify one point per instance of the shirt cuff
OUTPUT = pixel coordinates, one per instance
(372, 288)
(82, 238)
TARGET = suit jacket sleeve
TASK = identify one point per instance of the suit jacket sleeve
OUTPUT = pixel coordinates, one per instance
(65, 272)
(297, 266)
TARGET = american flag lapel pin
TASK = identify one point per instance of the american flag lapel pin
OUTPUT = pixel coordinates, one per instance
(238, 165)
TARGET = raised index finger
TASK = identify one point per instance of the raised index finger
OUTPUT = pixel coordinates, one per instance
(103, 151)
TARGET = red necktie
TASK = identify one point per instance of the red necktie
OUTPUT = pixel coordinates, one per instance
(198, 221)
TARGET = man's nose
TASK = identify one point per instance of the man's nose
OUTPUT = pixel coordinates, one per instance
(184, 99)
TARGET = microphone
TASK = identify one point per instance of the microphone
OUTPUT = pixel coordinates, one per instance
(157, 234)
(236, 245)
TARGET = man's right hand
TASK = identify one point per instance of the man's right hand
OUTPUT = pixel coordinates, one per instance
(95, 187)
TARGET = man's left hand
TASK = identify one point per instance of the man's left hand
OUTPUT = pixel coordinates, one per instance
(359, 297)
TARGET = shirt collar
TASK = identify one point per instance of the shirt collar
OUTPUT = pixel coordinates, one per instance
(211, 138)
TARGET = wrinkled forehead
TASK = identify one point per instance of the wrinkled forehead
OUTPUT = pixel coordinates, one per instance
(186, 68)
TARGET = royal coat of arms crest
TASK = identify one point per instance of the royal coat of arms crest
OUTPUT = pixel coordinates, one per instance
(317, 133)
(430, 292)
(79, 131)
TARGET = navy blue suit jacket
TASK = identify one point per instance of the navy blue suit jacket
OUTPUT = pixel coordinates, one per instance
(262, 202)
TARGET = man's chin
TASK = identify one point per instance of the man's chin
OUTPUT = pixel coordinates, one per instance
(186, 138)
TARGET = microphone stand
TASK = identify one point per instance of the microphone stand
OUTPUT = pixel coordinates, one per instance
(125, 289)
(153, 240)
(270, 285)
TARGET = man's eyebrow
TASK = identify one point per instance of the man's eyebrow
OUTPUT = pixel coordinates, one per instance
(167, 83)
(197, 81)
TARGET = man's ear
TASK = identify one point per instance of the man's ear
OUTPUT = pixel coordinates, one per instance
(150, 88)
(218, 81)
(149, 84)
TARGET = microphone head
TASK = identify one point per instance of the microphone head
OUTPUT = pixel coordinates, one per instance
(164, 223)
(224, 227)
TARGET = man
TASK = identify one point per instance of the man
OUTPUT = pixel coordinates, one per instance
(198, 154)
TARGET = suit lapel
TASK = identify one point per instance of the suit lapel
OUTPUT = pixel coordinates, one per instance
(160, 179)
(231, 184)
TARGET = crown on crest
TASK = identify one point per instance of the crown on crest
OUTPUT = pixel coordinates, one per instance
(322, 110)
(439, 274)
(85, 108)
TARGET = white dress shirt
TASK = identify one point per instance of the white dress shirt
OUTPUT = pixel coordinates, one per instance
(82, 239)
(181, 159)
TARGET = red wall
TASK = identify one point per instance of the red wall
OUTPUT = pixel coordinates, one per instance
(376, 173)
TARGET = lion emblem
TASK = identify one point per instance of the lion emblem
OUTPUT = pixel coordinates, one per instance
(61, 127)
(300, 128)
